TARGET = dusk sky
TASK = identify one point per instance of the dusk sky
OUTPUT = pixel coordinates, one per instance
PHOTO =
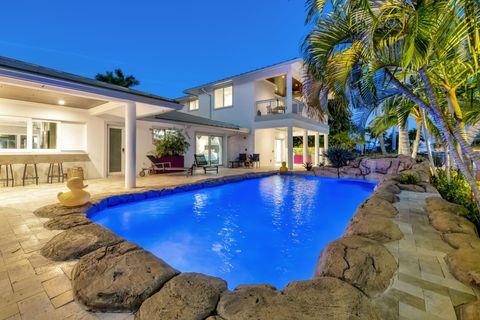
(168, 45)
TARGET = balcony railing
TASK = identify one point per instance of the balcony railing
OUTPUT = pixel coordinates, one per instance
(278, 106)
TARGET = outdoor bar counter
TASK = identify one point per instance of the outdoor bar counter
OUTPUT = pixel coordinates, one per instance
(31, 158)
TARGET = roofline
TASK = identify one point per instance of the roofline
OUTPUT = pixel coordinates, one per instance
(240, 75)
(16, 68)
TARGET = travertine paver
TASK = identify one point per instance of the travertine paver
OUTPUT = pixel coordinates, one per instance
(33, 287)
(423, 287)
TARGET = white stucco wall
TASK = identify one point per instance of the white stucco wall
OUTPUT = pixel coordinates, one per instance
(265, 145)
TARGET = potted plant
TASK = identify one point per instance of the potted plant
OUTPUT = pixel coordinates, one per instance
(171, 148)
(308, 166)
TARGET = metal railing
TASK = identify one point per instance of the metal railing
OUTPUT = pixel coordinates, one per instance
(278, 106)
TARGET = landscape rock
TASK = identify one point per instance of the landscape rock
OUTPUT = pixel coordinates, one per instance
(67, 222)
(78, 241)
(462, 240)
(321, 298)
(361, 262)
(411, 187)
(386, 195)
(376, 228)
(439, 204)
(190, 296)
(464, 264)
(56, 210)
(375, 206)
(469, 311)
(449, 223)
(389, 185)
(119, 277)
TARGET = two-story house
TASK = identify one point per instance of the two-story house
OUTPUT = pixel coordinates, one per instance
(268, 104)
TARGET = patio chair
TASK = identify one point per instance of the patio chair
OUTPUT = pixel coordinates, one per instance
(201, 162)
(242, 159)
(256, 160)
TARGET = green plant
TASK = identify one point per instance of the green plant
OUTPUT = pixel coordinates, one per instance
(409, 178)
(458, 191)
(338, 157)
(308, 166)
(173, 143)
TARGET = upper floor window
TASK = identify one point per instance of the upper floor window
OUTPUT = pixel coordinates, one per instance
(224, 97)
(193, 105)
(159, 134)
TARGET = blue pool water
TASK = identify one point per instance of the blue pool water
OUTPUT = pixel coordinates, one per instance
(266, 230)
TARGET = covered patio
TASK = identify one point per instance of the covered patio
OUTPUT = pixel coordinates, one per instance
(50, 117)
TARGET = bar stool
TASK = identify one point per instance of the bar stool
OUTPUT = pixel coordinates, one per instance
(8, 177)
(35, 177)
(51, 172)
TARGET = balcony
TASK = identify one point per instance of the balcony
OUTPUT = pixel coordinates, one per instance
(277, 108)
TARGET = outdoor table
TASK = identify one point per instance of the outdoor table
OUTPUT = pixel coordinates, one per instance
(233, 164)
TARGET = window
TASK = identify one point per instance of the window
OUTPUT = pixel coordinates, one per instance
(44, 135)
(193, 105)
(211, 147)
(26, 134)
(224, 97)
(13, 133)
(158, 134)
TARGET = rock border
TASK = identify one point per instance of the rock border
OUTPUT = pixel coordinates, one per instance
(338, 264)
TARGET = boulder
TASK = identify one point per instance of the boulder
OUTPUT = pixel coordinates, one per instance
(374, 227)
(375, 206)
(428, 187)
(389, 185)
(67, 222)
(449, 223)
(78, 241)
(411, 187)
(56, 210)
(321, 298)
(190, 296)
(469, 311)
(119, 277)
(325, 172)
(464, 264)
(439, 204)
(461, 240)
(386, 195)
(361, 262)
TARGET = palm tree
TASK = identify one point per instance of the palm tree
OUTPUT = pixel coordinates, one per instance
(118, 78)
(407, 46)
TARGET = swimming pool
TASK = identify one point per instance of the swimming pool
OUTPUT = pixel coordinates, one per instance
(264, 230)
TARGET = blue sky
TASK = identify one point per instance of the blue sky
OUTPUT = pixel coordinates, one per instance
(168, 45)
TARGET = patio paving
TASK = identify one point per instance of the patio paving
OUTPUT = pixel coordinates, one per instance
(423, 287)
(33, 287)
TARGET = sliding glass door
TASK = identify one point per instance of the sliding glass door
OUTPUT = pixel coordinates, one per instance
(211, 147)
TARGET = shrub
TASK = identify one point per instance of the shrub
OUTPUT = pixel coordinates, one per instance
(457, 191)
(308, 166)
(409, 179)
(338, 157)
(173, 143)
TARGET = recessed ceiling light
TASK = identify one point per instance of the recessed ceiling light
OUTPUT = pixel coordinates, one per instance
(61, 102)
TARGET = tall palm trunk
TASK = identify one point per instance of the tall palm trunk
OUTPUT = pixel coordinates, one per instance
(427, 141)
(403, 141)
(381, 140)
(418, 135)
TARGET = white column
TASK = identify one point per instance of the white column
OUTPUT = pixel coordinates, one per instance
(289, 91)
(325, 142)
(317, 145)
(290, 148)
(130, 145)
(305, 146)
